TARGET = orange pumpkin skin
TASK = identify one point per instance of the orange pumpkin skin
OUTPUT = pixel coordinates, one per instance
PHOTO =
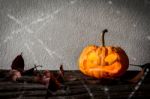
(103, 62)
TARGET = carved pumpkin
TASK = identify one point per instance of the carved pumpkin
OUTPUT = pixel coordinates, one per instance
(103, 61)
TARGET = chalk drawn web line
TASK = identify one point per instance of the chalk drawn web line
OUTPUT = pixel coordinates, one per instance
(30, 31)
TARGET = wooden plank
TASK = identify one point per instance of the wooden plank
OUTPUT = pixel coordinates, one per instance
(76, 89)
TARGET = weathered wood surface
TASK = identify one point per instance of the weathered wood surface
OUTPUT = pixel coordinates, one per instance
(82, 87)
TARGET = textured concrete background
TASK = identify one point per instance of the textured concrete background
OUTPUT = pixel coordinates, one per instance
(54, 32)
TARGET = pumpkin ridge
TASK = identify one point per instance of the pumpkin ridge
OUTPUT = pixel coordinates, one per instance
(103, 61)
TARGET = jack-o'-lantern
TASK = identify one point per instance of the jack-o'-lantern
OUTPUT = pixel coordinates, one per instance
(103, 61)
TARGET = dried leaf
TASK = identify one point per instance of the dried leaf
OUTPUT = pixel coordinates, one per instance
(14, 75)
(140, 74)
(72, 78)
(147, 65)
(62, 70)
(47, 73)
(53, 86)
(31, 71)
(60, 76)
(18, 63)
(135, 76)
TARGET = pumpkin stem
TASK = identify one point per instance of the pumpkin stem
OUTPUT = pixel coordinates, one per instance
(103, 39)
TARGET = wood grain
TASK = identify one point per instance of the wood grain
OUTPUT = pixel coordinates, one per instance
(100, 89)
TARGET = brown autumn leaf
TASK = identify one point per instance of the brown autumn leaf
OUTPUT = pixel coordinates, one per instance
(62, 70)
(53, 85)
(138, 77)
(31, 71)
(60, 75)
(18, 63)
(47, 73)
(134, 76)
(14, 75)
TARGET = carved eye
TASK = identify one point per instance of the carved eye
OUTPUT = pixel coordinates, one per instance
(110, 59)
(93, 58)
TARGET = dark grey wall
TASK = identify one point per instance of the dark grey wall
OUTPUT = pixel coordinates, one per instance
(52, 32)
